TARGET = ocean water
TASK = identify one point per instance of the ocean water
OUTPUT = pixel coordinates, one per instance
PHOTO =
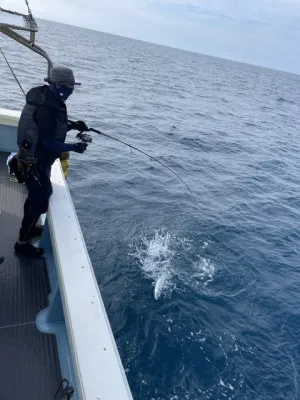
(202, 294)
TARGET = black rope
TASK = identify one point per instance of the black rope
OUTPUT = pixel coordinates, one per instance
(64, 391)
(146, 154)
(12, 71)
(29, 11)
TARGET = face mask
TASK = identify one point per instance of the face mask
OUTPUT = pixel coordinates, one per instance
(62, 93)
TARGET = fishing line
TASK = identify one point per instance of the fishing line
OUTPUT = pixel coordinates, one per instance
(111, 137)
(146, 154)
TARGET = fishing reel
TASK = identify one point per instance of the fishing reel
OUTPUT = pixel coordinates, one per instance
(84, 137)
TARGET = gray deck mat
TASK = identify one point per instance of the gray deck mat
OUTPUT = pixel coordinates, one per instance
(29, 366)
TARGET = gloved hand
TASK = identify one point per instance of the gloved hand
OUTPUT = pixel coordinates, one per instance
(80, 147)
(80, 126)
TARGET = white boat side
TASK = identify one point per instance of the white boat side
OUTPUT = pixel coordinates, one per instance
(96, 363)
(9, 117)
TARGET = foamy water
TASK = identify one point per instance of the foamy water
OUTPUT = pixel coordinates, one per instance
(158, 254)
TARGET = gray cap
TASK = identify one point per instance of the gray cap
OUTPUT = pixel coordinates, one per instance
(62, 76)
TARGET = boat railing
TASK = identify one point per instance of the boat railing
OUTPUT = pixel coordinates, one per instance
(96, 363)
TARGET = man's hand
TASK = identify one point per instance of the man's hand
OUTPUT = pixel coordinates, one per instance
(80, 147)
(80, 126)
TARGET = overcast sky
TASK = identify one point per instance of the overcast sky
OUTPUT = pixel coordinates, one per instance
(262, 32)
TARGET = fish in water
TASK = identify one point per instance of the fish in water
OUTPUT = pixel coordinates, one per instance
(159, 286)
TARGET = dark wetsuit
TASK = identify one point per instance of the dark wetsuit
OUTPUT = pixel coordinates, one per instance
(45, 118)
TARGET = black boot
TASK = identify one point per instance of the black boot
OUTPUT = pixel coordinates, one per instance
(26, 249)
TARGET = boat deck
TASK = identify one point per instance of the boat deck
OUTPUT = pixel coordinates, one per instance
(29, 367)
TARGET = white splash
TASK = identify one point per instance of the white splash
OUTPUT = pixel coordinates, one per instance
(228, 386)
(204, 270)
(158, 257)
(155, 256)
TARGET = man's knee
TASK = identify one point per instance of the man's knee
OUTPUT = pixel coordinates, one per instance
(39, 192)
(40, 204)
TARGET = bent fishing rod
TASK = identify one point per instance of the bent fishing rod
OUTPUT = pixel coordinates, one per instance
(87, 138)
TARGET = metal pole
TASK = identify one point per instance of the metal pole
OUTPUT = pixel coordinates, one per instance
(25, 42)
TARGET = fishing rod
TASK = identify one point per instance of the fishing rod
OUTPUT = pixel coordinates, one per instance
(87, 138)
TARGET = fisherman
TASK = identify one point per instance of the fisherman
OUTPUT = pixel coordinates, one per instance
(2, 260)
(42, 132)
